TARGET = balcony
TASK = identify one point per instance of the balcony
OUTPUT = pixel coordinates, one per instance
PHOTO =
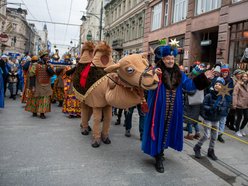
(117, 44)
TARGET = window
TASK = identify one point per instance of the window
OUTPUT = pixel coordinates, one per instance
(166, 13)
(156, 16)
(235, 1)
(180, 10)
(203, 6)
(141, 27)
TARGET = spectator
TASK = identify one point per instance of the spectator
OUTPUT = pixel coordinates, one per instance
(225, 74)
(193, 101)
(128, 120)
(240, 103)
(230, 120)
(3, 66)
(213, 107)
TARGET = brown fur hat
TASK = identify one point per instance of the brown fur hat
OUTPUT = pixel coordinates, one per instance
(102, 55)
(104, 48)
(88, 45)
(87, 52)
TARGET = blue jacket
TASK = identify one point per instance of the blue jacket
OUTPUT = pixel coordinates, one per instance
(214, 106)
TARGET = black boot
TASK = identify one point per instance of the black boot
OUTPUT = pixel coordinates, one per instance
(159, 163)
(60, 104)
(220, 139)
(211, 154)
(42, 116)
(118, 122)
(197, 150)
(34, 114)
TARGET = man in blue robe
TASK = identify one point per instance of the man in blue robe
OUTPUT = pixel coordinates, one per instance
(163, 126)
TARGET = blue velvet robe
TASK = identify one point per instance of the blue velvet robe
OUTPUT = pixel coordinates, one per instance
(1, 90)
(175, 129)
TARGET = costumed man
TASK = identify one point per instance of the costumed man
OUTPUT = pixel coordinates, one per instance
(58, 89)
(39, 77)
(25, 66)
(85, 61)
(71, 104)
(163, 125)
(13, 70)
(1, 89)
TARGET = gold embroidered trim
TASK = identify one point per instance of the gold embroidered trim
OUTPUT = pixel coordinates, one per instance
(82, 97)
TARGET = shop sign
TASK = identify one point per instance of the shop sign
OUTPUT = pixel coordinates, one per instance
(4, 37)
(206, 43)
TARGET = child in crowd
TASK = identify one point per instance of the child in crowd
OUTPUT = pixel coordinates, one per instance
(214, 104)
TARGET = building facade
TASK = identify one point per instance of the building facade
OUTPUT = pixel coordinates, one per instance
(21, 34)
(208, 30)
(124, 26)
(93, 21)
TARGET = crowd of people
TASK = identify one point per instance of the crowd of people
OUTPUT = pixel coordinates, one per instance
(213, 95)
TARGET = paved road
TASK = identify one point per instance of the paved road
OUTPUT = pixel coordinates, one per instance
(53, 152)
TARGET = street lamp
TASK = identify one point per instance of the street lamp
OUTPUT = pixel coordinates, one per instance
(84, 18)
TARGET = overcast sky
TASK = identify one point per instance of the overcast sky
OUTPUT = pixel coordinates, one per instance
(59, 12)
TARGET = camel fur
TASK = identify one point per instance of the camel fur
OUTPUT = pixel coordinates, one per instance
(122, 87)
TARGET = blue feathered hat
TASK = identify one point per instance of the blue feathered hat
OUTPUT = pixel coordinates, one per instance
(168, 50)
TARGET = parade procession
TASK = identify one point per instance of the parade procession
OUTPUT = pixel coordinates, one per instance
(70, 82)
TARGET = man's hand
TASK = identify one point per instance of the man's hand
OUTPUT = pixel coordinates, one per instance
(209, 74)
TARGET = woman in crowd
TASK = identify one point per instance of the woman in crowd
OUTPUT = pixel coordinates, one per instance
(240, 103)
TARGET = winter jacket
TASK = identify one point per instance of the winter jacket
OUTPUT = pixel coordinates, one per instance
(240, 96)
(214, 107)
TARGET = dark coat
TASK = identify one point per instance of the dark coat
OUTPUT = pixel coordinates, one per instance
(214, 106)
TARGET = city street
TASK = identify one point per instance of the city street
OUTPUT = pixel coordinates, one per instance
(53, 152)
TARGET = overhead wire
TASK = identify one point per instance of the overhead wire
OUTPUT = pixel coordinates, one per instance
(68, 20)
(28, 9)
(54, 26)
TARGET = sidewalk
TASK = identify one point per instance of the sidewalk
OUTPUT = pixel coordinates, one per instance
(233, 162)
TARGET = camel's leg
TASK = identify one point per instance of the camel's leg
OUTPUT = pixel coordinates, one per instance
(97, 116)
(107, 113)
(86, 113)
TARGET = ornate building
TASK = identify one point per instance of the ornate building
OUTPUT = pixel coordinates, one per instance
(21, 34)
(124, 26)
(208, 30)
(93, 21)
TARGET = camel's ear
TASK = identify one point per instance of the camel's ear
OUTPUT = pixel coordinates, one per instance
(152, 51)
(144, 55)
(112, 68)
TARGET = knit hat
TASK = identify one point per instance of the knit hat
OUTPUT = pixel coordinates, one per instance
(198, 69)
(238, 71)
(4, 56)
(225, 68)
(217, 69)
(220, 80)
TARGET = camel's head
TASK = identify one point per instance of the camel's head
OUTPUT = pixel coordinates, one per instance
(102, 55)
(134, 71)
(87, 52)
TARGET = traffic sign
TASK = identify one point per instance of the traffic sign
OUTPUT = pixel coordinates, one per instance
(4, 37)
